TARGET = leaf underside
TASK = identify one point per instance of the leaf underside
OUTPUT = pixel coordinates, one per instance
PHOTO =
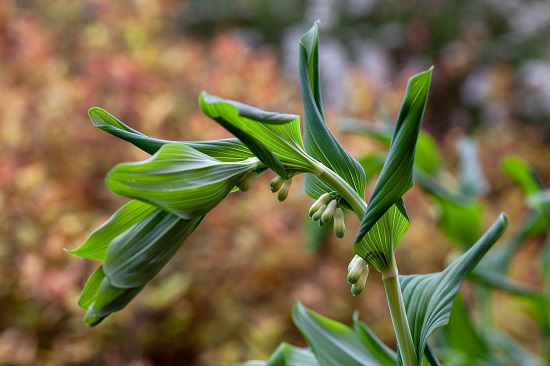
(397, 174)
(318, 140)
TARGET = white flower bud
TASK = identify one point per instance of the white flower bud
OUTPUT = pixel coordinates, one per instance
(283, 192)
(317, 215)
(276, 184)
(247, 181)
(359, 286)
(329, 212)
(339, 225)
(323, 200)
(355, 269)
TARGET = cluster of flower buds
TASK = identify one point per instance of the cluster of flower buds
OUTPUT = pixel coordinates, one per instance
(247, 180)
(358, 271)
(326, 209)
(280, 185)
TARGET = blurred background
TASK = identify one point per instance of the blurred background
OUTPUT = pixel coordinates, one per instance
(226, 297)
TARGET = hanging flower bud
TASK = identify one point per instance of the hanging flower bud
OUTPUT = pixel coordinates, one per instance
(359, 286)
(247, 180)
(356, 268)
(339, 225)
(358, 271)
(329, 212)
(276, 184)
(323, 200)
(283, 192)
(317, 215)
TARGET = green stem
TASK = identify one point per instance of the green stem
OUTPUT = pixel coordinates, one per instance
(391, 279)
(399, 317)
(358, 205)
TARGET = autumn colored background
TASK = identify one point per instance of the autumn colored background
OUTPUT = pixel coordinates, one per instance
(227, 295)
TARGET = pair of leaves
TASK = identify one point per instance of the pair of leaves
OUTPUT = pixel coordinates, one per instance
(318, 140)
(331, 344)
(140, 238)
(134, 244)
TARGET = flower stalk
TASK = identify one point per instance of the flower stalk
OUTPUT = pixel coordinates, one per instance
(390, 278)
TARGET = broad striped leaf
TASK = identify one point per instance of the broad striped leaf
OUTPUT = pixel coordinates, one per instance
(128, 215)
(333, 343)
(397, 174)
(137, 256)
(274, 138)
(223, 150)
(429, 298)
(319, 141)
(179, 179)
(380, 243)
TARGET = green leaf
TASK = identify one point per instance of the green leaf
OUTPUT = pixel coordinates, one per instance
(333, 343)
(96, 245)
(287, 355)
(107, 300)
(519, 172)
(132, 259)
(274, 138)
(514, 353)
(224, 150)
(383, 353)
(89, 293)
(319, 141)
(461, 221)
(179, 179)
(372, 164)
(380, 132)
(397, 174)
(379, 244)
(487, 276)
(429, 298)
(499, 259)
(138, 255)
(461, 335)
(472, 180)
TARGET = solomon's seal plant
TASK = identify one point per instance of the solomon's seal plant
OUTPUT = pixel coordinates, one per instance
(182, 181)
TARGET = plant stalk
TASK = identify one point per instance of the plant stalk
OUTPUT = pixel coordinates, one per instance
(391, 279)
(399, 316)
(344, 189)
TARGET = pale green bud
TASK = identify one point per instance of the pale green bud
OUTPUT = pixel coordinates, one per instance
(283, 192)
(329, 212)
(355, 269)
(339, 225)
(276, 184)
(323, 200)
(247, 181)
(317, 215)
(359, 286)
